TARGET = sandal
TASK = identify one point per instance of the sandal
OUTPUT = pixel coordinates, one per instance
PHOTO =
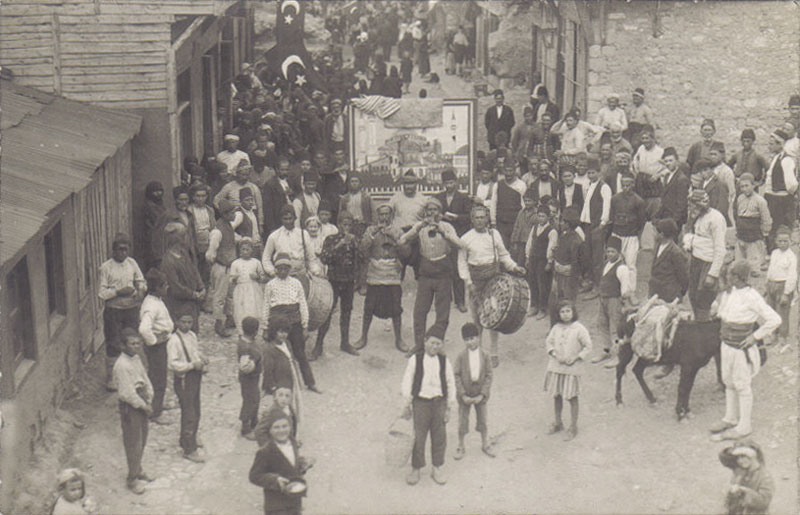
(571, 434)
(487, 450)
(460, 452)
(555, 427)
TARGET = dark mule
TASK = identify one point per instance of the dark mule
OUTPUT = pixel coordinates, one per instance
(695, 343)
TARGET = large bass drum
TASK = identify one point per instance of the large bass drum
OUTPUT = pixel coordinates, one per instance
(320, 301)
(504, 303)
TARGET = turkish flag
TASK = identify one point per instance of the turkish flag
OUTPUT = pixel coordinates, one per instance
(293, 63)
(289, 26)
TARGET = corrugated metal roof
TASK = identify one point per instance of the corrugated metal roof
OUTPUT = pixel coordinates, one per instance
(51, 149)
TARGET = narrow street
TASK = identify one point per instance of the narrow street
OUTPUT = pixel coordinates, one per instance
(652, 465)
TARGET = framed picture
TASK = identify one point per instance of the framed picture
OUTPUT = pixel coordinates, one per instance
(431, 136)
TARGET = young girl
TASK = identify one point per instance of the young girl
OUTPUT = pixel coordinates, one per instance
(72, 498)
(568, 345)
(751, 486)
(247, 276)
(314, 245)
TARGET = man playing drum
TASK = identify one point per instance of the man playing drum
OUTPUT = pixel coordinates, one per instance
(480, 258)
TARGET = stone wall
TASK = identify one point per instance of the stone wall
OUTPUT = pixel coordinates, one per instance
(735, 62)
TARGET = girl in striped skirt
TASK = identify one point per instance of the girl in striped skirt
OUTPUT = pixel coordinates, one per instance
(568, 345)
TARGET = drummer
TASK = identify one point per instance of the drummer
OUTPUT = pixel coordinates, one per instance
(481, 257)
(292, 241)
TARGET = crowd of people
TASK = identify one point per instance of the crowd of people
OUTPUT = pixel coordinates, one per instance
(560, 201)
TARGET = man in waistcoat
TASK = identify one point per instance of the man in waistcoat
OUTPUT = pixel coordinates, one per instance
(221, 252)
(306, 204)
(780, 185)
(595, 216)
(508, 201)
(705, 240)
(437, 240)
(627, 218)
(245, 221)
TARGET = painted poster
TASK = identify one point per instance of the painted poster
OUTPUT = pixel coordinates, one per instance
(382, 152)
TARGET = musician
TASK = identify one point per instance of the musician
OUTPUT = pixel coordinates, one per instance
(480, 258)
(380, 245)
(436, 238)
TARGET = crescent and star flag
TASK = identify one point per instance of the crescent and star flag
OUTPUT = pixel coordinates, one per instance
(289, 57)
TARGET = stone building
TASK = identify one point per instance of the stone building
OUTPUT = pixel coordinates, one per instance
(735, 62)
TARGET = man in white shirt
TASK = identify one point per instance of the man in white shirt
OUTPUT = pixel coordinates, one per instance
(429, 392)
(612, 114)
(740, 310)
(409, 208)
(231, 155)
(306, 204)
(481, 257)
(155, 326)
(485, 189)
(122, 287)
(290, 240)
(780, 185)
(595, 216)
(705, 240)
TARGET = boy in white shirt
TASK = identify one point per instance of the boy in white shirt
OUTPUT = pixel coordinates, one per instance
(782, 280)
(155, 327)
(187, 364)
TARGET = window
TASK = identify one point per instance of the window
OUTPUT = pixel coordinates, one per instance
(20, 314)
(54, 264)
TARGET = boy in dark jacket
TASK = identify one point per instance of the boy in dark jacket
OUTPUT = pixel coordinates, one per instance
(249, 375)
(473, 377)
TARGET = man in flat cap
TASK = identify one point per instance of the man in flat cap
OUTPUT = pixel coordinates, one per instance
(437, 240)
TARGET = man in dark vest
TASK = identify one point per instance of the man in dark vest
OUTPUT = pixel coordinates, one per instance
(508, 201)
(245, 221)
(499, 117)
(669, 277)
(539, 260)
(429, 393)
(615, 288)
(594, 218)
(675, 193)
(570, 193)
(221, 252)
(780, 185)
(456, 207)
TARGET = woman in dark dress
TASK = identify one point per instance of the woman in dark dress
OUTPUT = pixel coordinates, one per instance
(392, 85)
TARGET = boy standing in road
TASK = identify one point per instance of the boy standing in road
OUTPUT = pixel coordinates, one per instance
(429, 391)
(473, 377)
(135, 395)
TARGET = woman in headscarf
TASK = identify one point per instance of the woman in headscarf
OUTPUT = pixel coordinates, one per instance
(152, 211)
(392, 85)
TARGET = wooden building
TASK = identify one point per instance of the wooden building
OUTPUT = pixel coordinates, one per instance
(66, 182)
(169, 61)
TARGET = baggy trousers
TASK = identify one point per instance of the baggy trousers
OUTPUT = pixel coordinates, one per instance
(187, 388)
(134, 437)
(700, 296)
(434, 292)
(429, 417)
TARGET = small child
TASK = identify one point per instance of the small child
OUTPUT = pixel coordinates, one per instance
(246, 220)
(281, 376)
(568, 345)
(246, 276)
(526, 219)
(406, 67)
(566, 262)
(753, 224)
(539, 261)
(72, 497)
(187, 363)
(282, 401)
(249, 376)
(473, 378)
(325, 213)
(277, 464)
(615, 288)
(429, 406)
(782, 280)
(751, 486)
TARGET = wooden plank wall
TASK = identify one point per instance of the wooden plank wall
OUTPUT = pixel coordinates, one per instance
(102, 209)
(108, 52)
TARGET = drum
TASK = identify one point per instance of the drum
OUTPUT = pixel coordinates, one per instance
(504, 303)
(320, 301)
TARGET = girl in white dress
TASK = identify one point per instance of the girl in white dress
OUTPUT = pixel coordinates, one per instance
(318, 235)
(247, 277)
